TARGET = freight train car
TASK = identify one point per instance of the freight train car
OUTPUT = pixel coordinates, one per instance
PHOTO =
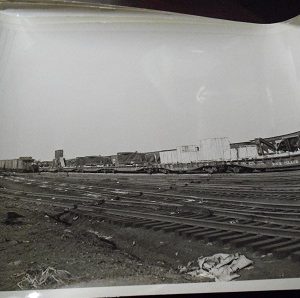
(22, 164)
(136, 162)
(218, 155)
(271, 162)
(267, 154)
(122, 162)
(209, 155)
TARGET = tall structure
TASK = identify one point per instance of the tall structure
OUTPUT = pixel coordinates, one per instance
(59, 160)
(59, 153)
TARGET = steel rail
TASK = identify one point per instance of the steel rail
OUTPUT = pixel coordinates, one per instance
(278, 232)
(205, 201)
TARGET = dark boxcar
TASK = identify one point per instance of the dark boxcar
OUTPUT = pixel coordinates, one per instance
(130, 158)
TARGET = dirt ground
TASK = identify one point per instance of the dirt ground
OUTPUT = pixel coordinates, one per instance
(140, 257)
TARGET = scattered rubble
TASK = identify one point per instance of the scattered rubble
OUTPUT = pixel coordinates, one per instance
(234, 221)
(106, 239)
(67, 216)
(38, 278)
(220, 267)
(99, 202)
(122, 192)
(14, 263)
(13, 218)
(139, 194)
(87, 245)
(15, 242)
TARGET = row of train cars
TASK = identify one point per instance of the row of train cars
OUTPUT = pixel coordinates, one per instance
(214, 155)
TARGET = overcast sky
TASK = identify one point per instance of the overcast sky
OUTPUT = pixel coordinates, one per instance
(104, 88)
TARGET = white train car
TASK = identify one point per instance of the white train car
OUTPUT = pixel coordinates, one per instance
(188, 154)
(214, 149)
(244, 152)
(168, 156)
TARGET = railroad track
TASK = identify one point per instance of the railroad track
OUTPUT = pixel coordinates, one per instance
(249, 191)
(273, 231)
(282, 186)
(179, 199)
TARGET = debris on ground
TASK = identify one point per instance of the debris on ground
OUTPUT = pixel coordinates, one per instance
(121, 192)
(75, 217)
(67, 234)
(38, 278)
(220, 267)
(14, 263)
(67, 216)
(13, 218)
(99, 202)
(189, 200)
(139, 194)
(106, 239)
(234, 221)
(207, 212)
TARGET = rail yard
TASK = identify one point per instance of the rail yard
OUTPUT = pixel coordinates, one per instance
(257, 213)
(212, 155)
(137, 218)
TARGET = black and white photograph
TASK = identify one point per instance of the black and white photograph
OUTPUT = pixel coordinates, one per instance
(146, 147)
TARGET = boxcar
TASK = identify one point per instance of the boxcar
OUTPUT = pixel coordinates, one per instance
(22, 164)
